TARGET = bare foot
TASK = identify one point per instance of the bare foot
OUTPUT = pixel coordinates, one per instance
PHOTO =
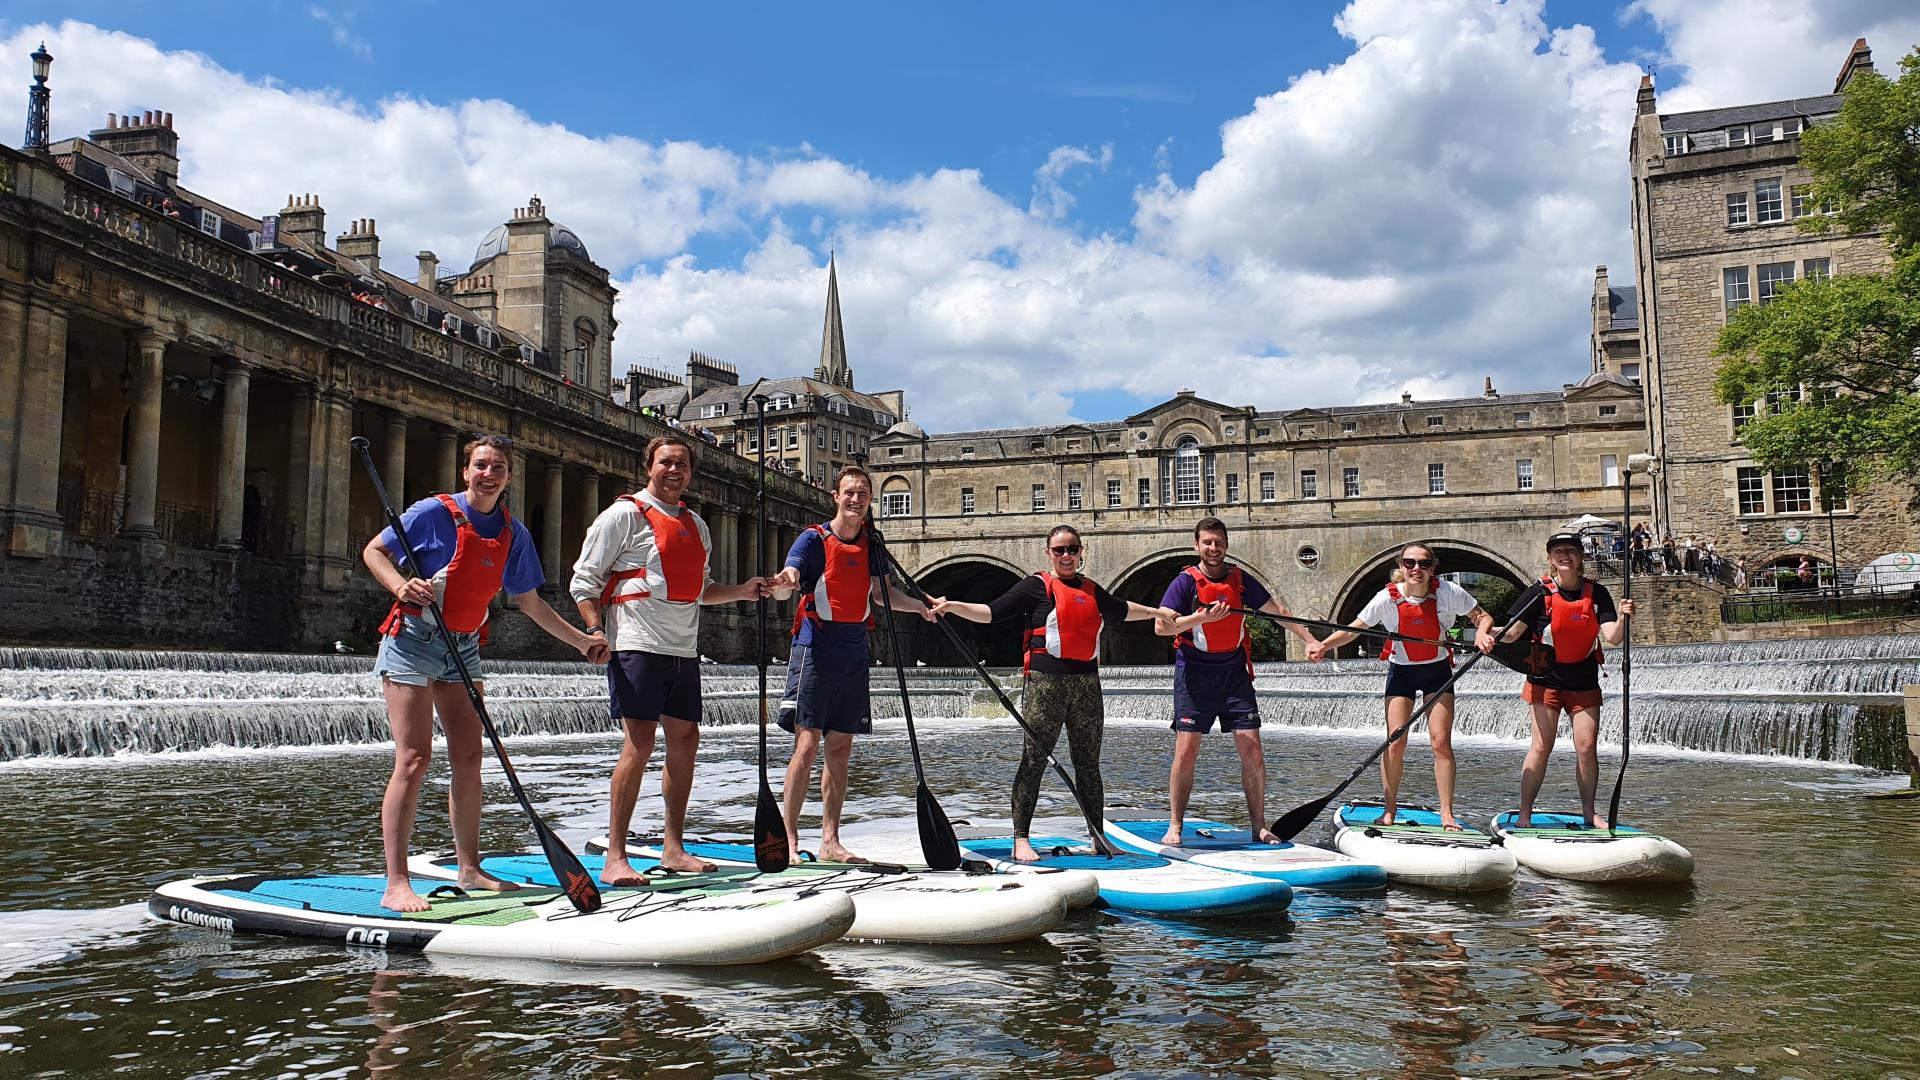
(1447, 823)
(1173, 837)
(685, 863)
(837, 853)
(475, 881)
(620, 872)
(1023, 850)
(401, 897)
(1266, 836)
(1523, 821)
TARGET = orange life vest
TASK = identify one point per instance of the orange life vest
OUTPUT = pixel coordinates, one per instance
(1228, 634)
(469, 581)
(1572, 627)
(682, 555)
(846, 582)
(1419, 619)
(1073, 626)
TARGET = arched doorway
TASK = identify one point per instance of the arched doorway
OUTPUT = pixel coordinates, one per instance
(1488, 576)
(975, 579)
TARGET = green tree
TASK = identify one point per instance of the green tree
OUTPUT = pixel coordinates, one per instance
(1495, 594)
(1269, 639)
(1853, 340)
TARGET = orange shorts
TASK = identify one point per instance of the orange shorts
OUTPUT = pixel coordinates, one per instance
(1567, 700)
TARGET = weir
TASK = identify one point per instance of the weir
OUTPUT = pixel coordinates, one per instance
(1823, 699)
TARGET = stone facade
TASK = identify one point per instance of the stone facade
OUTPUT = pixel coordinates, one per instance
(1715, 198)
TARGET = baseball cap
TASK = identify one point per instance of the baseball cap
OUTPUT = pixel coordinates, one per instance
(1562, 538)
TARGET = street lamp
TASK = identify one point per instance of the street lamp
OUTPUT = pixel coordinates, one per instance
(1649, 464)
(38, 99)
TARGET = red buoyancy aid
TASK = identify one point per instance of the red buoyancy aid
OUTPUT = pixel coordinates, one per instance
(1419, 619)
(1073, 626)
(682, 555)
(845, 586)
(1572, 627)
(1227, 634)
(469, 581)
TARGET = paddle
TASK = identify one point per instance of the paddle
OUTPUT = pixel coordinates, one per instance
(770, 852)
(1644, 461)
(1094, 823)
(937, 842)
(1298, 818)
(573, 877)
(1508, 654)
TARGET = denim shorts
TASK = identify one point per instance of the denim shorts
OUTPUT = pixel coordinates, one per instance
(417, 654)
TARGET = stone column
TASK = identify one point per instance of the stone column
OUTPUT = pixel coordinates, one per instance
(552, 555)
(306, 479)
(517, 489)
(589, 499)
(231, 478)
(726, 568)
(143, 450)
(13, 369)
(447, 463)
(336, 467)
(35, 530)
(393, 469)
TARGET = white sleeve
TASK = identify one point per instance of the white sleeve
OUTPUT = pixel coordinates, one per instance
(1455, 602)
(606, 538)
(1380, 609)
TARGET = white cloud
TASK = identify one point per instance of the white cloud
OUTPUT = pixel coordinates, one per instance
(340, 26)
(1051, 199)
(1732, 52)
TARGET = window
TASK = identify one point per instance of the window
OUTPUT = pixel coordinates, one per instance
(1208, 472)
(1038, 445)
(1523, 474)
(1347, 427)
(1676, 145)
(1792, 491)
(1002, 501)
(1525, 417)
(1631, 372)
(896, 503)
(1753, 491)
(1833, 486)
(450, 323)
(1113, 439)
(1766, 202)
(1146, 492)
(1737, 136)
(1736, 209)
(820, 437)
(1609, 410)
(1436, 421)
(1113, 491)
(836, 440)
(1186, 470)
(708, 412)
(209, 222)
(1801, 199)
(1073, 444)
(1309, 484)
(839, 405)
(793, 438)
(894, 451)
(966, 451)
(1267, 487)
(780, 401)
(1816, 268)
(966, 500)
(1309, 431)
(1233, 487)
(1743, 415)
(1436, 479)
(753, 440)
(1779, 400)
(1773, 278)
(1350, 482)
(1265, 432)
(1039, 497)
(1609, 470)
(1734, 282)
(820, 473)
(1074, 499)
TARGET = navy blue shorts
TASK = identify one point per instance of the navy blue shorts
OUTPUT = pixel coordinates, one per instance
(645, 686)
(1205, 693)
(826, 695)
(1405, 680)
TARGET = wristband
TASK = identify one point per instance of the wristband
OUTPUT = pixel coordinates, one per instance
(601, 630)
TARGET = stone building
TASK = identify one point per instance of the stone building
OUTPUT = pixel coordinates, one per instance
(1716, 194)
(1318, 501)
(1616, 327)
(179, 379)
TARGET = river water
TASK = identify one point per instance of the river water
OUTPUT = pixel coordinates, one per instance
(1791, 955)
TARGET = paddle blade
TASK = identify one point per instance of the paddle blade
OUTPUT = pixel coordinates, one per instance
(770, 854)
(574, 880)
(1515, 655)
(938, 844)
(1297, 819)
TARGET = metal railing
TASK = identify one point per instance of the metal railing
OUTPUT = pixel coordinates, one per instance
(1827, 594)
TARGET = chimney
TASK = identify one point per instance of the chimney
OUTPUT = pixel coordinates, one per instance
(1859, 59)
(1602, 301)
(643, 379)
(148, 142)
(429, 270)
(305, 218)
(1644, 99)
(1406, 397)
(704, 373)
(361, 242)
(1490, 391)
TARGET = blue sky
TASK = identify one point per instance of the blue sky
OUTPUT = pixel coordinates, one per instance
(1042, 211)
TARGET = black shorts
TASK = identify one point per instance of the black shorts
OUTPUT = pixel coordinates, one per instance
(645, 686)
(1205, 693)
(826, 695)
(1406, 680)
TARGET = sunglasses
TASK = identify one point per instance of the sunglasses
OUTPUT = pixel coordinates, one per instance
(1066, 549)
(1420, 564)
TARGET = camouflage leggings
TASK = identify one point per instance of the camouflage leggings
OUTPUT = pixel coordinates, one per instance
(1051, 702)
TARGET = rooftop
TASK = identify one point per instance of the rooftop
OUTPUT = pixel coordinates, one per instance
(1712, 119)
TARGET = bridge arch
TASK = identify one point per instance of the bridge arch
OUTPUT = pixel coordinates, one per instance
(976, 579)
(1456, 557)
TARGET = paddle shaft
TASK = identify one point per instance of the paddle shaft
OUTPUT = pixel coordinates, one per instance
(578, 884)
(1094, 821)
(1357, 631)
(938, 844)
(770, 850)
(1626, 652)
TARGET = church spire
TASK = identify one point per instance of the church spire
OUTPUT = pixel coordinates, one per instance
(833, 367)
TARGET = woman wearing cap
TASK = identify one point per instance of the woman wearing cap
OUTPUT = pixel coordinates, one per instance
(1568, 617)
(1064, 612)
(1418, 604)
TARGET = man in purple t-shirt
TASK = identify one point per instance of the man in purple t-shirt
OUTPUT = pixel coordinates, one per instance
(1213, 672)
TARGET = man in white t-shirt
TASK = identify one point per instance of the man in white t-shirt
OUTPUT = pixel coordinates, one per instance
(641, 578)
(1420, 605)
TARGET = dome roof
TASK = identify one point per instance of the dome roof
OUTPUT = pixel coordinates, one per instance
(558, 236)
(908, 428)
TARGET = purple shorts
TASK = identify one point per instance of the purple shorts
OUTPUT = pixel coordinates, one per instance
(1203, 693)
(644, 686)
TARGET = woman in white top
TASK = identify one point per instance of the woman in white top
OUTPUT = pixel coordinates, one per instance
(1418, 604)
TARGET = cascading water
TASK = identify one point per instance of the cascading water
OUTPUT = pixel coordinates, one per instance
(1825, 699)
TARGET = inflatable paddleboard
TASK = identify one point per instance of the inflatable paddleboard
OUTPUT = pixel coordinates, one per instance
(924, 909)
(1144, 883)
(1415, 850)
(1223, 847)
(715, 922)
(1560, 845)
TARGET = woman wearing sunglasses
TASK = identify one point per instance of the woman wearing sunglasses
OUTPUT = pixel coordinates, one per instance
(1420, 605)
(1064, 612)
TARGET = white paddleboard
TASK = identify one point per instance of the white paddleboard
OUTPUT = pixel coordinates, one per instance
(1560, 845)
(1415, 850)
